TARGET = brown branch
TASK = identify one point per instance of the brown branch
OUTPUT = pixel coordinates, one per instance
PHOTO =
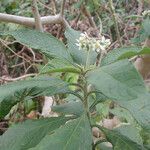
(37, 20)
(30, 22)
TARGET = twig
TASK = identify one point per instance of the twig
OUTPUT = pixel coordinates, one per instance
(27, 69)
(18, 78)
(99, 58)
(43, 5)
(62, 8)
(17, 65)
(100, 24)
(88, 15)
(38, 24)
(53, 3)
(12, 50)
(125, 30)
(115, 21)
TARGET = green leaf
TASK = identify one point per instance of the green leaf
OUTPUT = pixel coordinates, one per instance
(121, 82)
(118, 81)
(74, 108)
(75, 135)
(44, 42)
(123, 53)
(131, 132)
(114, 55)
(59, 65)
(28, 134)
(140, 110)
(121, 141)
(14, 92)
(79, 56)
(123, 114)
(130, 54)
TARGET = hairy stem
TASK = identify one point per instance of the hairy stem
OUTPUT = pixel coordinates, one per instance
(86, 98)
(87, 60)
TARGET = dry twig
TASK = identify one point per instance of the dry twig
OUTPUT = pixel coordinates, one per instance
(8, 79)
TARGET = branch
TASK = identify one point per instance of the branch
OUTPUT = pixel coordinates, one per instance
(9, 79)
(30, 22)
(38, 24)
(62, 7)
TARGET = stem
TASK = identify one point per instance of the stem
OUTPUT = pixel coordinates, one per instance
(115, 21)
(99, 58)
(87, 60)
(86, 99)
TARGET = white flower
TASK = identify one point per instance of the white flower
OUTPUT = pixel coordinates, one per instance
(146, 13)
(104, 43)
(92, 44)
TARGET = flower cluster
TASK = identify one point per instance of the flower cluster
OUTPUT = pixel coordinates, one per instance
(146, 13)
(92, 44)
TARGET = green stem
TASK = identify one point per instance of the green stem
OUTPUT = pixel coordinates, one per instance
(87, 60)
(86, 99)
